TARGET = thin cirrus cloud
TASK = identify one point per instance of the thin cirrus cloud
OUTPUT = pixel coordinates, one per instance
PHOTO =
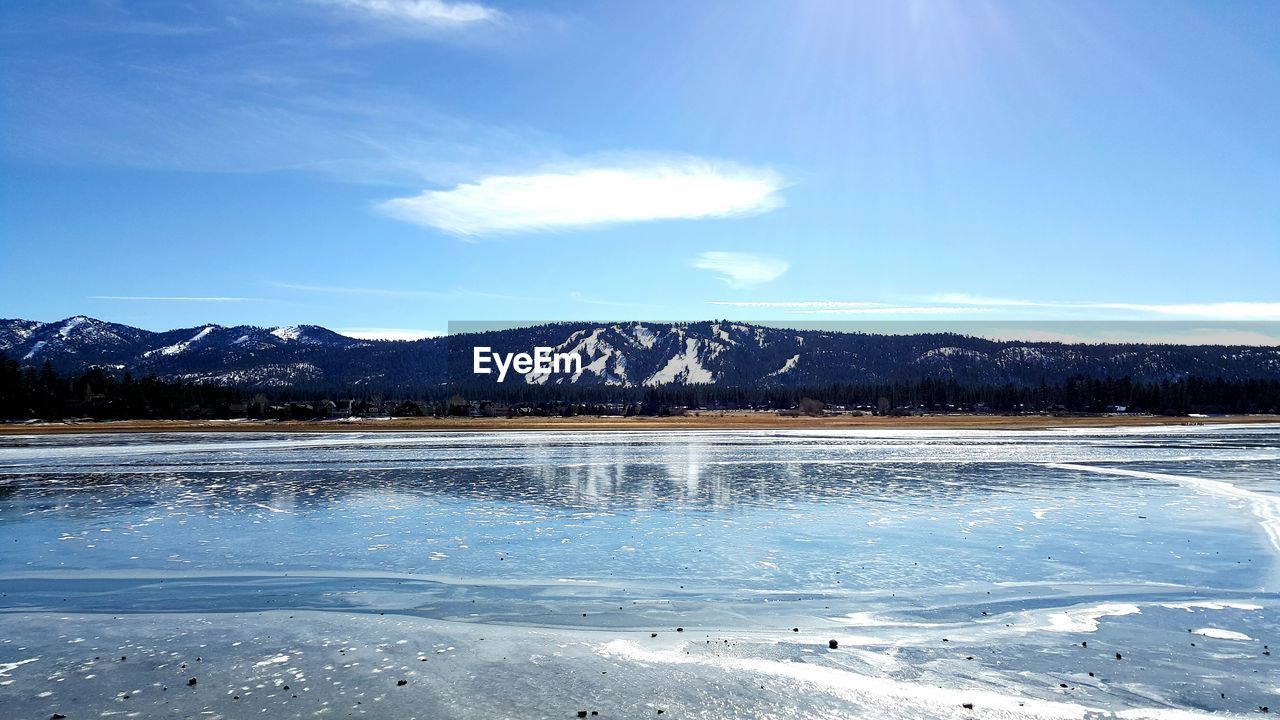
(392, 292)
(839, 307)
(389, 333)
(902, 310)
(963, 304)
(593, 195)
(1126, 332)
(739, 269)
(340, 290)
(174, 298)
(802, 304)
(432, 13)
(1233, 310)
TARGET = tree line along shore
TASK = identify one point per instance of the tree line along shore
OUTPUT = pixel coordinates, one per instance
(28, 394)
(689, 422)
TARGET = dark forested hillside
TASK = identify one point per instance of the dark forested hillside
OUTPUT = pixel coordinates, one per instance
(43, 393)
(616, 356)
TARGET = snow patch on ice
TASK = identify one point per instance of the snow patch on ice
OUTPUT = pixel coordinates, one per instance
(1221, 634)
(6, 668)
(881, 695)
(1211, 605)
(1086, 619)
(277, 660)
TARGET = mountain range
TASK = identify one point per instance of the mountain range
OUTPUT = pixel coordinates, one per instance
(626, 354)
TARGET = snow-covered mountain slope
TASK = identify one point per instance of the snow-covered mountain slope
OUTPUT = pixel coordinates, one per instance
(628, 354)
(737, 354)
(75, 338)
(244, 356)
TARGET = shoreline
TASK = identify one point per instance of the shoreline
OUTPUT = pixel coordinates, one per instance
(729, 420)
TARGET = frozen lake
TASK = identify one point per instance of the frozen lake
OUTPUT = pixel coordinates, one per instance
(1067, 574)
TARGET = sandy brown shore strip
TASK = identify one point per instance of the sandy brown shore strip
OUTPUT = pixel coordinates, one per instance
(700, 421)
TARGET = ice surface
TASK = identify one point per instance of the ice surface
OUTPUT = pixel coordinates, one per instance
(1125, 573)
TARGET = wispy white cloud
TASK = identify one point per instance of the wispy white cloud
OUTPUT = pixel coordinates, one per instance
(841, 307)
(799, 304)
(389, 333)
(904, 310)
(173, 298)
(740, 269)
(247, 101)
(1209, 311)
(144, 27)
(1148, 332)
(967, 299)
(965, 304)
(393, 292)
(434, 13)
(836, 308)
(337, 290)
(593, 194)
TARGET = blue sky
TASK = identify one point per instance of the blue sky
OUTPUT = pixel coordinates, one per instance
(393, 165)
